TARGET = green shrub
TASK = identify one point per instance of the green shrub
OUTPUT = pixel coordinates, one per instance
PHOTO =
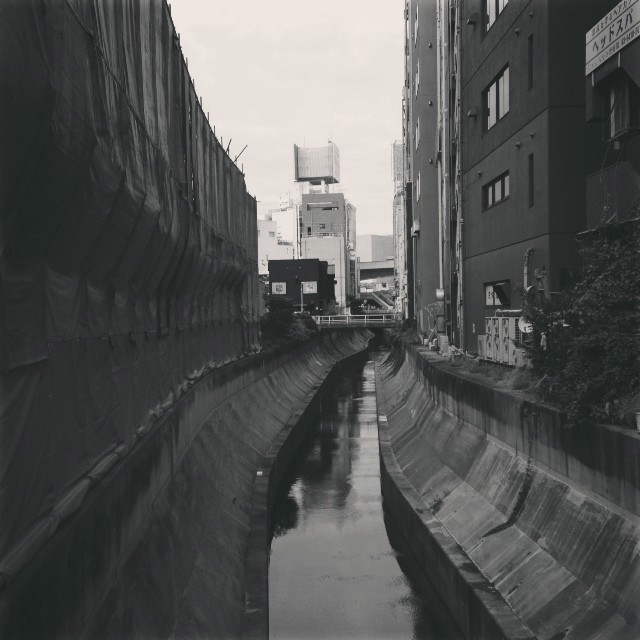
(283, 325)
(592, 332)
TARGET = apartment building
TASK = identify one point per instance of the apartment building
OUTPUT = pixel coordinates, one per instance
(499, 146)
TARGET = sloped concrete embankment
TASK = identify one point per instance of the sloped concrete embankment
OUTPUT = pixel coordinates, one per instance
(159, 548)
(527, 528)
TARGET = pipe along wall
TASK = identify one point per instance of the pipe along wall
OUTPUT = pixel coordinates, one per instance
(161, 545)
(527, 528)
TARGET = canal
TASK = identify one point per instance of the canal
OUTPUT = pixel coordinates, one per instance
(338, 567)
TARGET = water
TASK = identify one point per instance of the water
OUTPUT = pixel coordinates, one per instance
(333, 571)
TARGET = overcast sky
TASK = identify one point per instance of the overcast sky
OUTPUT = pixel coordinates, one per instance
(274, 73)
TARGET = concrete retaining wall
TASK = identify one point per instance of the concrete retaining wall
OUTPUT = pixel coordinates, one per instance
(496, 478)
(159, 547)
(269, 475)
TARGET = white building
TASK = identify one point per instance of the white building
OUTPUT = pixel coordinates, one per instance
(271, 246)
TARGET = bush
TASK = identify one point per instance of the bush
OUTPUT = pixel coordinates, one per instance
(283, 325)
(591, 357)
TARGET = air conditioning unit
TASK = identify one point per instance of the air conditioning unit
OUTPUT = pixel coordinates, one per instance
(510, 337)
(488, 338)
(506, 341)
(495, 335)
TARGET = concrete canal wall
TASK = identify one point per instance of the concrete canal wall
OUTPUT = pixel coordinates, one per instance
(160, 545)
(527, 528)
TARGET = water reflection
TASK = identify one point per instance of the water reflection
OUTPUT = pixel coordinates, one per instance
(333, 571)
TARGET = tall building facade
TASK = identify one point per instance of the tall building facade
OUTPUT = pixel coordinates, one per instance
(326, 219)
(328, 232)
(497, 153)
(420, 119)
(399, 230)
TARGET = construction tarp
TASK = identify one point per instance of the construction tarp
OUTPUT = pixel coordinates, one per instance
(128, 249)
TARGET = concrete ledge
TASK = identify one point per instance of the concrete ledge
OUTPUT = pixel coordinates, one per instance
(158, 547)
(272, 469)
(474, 603)
(600, 458)
(487, 466)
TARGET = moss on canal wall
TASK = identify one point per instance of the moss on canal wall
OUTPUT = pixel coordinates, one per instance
(159, 547)
(528, 529)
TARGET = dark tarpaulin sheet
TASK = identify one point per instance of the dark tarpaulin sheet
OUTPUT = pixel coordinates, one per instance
(128, 249)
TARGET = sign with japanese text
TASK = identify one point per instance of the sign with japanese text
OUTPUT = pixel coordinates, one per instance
(279, 288)
(310, 287)
(611, 34)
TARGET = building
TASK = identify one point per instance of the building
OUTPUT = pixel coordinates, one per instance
(399, 230)
(286, 217)
(270, 245)
(306, 283)
(326, 219)
(376, 261)
(420, 121)
(373, 248)
(328, 232)
(501, 151)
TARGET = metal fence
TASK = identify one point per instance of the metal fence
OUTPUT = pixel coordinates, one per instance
(368, 320)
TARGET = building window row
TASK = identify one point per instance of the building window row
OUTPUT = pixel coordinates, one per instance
(496, 99)
(492, 9)
(495, 191)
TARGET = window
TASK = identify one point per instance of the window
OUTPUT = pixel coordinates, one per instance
(497, 294)
(623, 106)
(530, 61)
(531, 190)
(417, 77)
(418, 187)
(415, 27)
(496, 99)
(495, 191)
(492, 9)
(417, 134)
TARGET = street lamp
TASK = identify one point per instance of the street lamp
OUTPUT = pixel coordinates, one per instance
(301, 292)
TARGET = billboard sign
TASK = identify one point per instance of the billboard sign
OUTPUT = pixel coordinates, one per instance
(612, 33)
(317, 163)
(279, 288)
(310, 287)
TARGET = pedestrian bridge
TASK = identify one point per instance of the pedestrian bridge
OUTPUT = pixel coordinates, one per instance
(365, 320)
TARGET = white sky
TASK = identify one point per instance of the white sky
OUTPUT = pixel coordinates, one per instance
(272, 73)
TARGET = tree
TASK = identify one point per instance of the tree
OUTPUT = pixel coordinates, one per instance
(590, 362)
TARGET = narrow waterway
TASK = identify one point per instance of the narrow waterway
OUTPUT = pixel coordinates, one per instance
(333, 571)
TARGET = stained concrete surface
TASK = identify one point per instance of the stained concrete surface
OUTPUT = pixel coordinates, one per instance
(564, 560)
(159, 547)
